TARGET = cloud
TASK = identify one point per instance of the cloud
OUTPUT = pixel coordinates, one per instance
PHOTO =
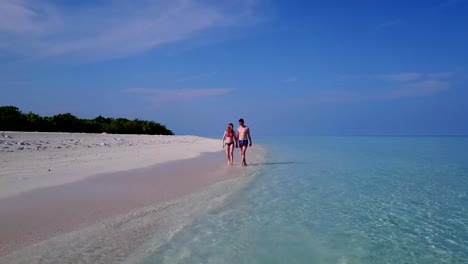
(291, 79)
(415, 76)
(440, 75)
(165, 95)
(405, 85)
(197, 76)
(418, 89)
(413, 90)
(388, 24)
(109, 29)
(407, 76)
(22, 17)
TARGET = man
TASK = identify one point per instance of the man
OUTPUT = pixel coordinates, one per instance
(243, 135)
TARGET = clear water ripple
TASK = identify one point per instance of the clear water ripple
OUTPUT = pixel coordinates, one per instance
(340, 200)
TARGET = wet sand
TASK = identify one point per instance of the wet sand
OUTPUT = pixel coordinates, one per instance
(41, 214)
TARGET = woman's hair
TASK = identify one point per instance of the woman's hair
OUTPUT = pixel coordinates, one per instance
(230, 125)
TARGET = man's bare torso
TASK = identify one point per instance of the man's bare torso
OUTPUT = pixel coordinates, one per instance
(243, 132)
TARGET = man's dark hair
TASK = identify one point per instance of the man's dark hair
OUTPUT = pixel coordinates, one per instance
(241, 120)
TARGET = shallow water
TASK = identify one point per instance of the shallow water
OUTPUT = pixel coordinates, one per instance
(113, 218)
(339, 200)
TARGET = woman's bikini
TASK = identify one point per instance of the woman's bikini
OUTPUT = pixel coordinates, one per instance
(230, 135)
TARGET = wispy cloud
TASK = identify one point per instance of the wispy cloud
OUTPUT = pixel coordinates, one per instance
(419, 89)
(388, 24)
(407, 76)
(440, 75)
(196, 76)
(165, 95)
(405, 85)
(415, 76)
(27, 17)
(109, 29)
(291, 79)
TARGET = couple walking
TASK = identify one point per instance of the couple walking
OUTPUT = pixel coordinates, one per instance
(241, 140)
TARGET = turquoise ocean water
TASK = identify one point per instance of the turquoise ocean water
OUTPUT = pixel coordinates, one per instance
(339, 200)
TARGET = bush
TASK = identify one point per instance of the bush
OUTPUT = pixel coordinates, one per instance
(12, 119)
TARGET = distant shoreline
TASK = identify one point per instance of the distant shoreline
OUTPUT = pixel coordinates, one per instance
(12, 119)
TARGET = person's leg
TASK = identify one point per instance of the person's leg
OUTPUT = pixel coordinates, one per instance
(241, 147)
(245, 151)
(227, 153)
(231, 151)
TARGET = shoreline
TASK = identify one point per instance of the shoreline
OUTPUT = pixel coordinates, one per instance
(41, 216)
(131, 237)
(33, 160)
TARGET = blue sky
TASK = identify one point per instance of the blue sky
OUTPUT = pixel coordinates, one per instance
(286, 67)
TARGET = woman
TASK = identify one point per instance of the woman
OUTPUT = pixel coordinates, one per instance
(229, 139)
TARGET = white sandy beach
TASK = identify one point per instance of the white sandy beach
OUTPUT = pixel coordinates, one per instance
(37, 160)
(101, 198)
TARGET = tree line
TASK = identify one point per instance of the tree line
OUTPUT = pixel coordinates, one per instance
(12, 119)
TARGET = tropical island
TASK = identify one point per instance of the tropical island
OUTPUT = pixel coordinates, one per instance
(12, 119)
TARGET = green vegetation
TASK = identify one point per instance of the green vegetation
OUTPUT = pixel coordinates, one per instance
(12, 119)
